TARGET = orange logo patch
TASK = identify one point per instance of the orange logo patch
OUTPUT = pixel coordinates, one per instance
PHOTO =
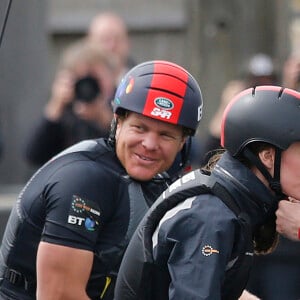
(208, 250)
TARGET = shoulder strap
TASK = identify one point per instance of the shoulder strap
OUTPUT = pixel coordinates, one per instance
(191, 184)
(218, 190)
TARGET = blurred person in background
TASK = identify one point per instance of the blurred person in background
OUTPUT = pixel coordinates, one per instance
(260, 70)
(79, 106)
(291, 72)
(109, 30)
(211, 141)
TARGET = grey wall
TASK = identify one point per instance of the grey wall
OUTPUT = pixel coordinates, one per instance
(23, 69)
(211, 38)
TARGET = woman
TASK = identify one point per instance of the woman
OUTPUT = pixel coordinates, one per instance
(203, 247)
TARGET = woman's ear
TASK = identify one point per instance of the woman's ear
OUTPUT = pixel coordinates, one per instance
(267, 157)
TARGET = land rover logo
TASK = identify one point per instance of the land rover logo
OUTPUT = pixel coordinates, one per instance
(164, 103)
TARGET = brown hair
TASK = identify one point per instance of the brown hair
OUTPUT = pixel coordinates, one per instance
(83, 51)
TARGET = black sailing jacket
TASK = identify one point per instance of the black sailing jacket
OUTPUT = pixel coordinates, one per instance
(202, 248)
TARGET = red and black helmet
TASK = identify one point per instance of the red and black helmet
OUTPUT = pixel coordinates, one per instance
(161, 90)
(268, 114)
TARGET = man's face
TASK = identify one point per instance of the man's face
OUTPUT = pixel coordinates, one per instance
(110, 32)
(147, 146)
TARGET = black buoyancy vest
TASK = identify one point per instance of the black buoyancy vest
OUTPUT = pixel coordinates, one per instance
(191, 184)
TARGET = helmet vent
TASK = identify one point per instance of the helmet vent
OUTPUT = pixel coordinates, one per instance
(166, 91)
(280, 93)
(188, 83)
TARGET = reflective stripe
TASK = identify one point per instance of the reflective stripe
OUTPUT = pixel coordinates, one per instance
(169, 214)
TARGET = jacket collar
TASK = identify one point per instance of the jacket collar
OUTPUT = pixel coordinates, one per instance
(249, 193)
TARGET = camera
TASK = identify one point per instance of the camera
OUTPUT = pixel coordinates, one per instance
(87, 89)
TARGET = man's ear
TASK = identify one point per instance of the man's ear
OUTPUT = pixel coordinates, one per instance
(184, 140)
(267, 157)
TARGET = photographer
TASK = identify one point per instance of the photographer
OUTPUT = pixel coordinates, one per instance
(79, 106)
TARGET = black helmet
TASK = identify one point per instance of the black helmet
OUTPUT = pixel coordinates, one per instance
(161, 90)
(268, 114)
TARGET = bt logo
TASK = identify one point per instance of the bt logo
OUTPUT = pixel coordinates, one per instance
(89, 223)
(75, 220)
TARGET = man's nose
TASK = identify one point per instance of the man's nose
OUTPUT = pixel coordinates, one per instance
(151, 141)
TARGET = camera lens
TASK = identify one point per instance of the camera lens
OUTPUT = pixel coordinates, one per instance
(87, 89)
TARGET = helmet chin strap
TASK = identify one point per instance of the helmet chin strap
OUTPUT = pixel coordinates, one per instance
(112, 133)
(274, 182)
(185, 152)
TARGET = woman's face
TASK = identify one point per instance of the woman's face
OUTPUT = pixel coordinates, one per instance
(290, 171)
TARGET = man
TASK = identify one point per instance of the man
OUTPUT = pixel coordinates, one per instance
(72, 221)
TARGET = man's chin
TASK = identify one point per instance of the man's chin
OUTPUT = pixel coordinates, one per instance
(141, 174)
